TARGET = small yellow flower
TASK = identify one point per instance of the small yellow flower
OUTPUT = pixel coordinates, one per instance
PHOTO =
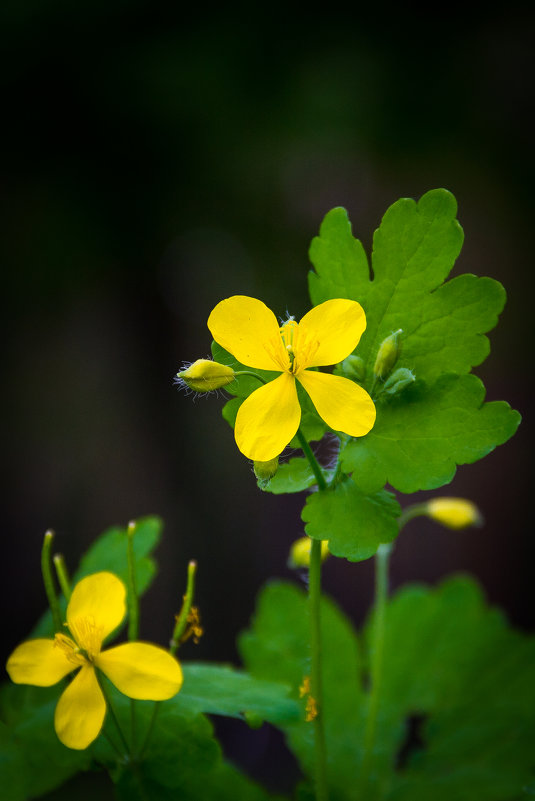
(454, 513)
(300, 552)
(269, 418)
(139, 670)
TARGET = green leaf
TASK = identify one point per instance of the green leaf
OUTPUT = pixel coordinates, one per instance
(222, 690)
(354, 523)
(293, 476)
(414, 250)
(418, 442)
(457, 701)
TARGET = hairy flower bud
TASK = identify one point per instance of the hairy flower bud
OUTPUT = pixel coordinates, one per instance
(205, 375)
(264, 471)
(455, 513)
(399, 380)
(352, 367)
(300, 552)
(388, 354)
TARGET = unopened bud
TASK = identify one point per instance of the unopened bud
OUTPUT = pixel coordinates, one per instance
(205, 375)
(398, 381)
(454, 513)
(264, 471)
(388, 354)
(300, 552)
(352, 367)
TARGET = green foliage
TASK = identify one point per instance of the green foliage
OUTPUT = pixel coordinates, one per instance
(449, 661)
(420, 436)
(354, 523)
(293, 476)
(418, 441)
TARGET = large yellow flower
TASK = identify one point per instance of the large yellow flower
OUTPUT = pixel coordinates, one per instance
(139, 670)
(269, 418)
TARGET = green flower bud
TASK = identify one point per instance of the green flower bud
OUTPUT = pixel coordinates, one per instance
(388, 354)
(399, 379)
(264, 471)
(454, 513)
(352, 367)
(205, 375)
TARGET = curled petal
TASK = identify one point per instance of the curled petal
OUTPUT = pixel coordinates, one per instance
(96, 608)
(268, 419)
(336, 327)
(340, 402)
(38, 662)
(249, 330)
(141, 670)
(80, 710)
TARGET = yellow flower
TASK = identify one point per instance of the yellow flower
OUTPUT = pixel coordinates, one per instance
(455, 513)
(300, 552)
(269, 418)
(139, 670)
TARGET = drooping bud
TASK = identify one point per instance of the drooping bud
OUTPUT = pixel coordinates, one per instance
(352, 367)
(300, 552)
(388, 354)
(455, 513)
(205, 375)
(264, 471)
(398, 381)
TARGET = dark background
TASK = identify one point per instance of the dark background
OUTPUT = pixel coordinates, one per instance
(156, 161)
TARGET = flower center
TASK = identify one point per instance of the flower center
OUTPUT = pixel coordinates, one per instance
(70, 649)
(88, 636)
(299, 349)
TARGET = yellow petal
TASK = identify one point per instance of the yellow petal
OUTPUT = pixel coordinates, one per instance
(250, 331)
(141, 670)
(335, 327)
(340, 402)
(268, 419)
(38, 662)
(96, 608)
(80, 711)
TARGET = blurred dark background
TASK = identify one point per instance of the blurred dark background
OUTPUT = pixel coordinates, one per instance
(156, 161)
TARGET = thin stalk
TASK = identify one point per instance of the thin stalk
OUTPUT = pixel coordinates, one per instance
(314, 596)
(133, 612)
(410, 512)
(174, 644)
(316, 469)
(113, 716)
(63, 576)
(48, 580)
(377, 655)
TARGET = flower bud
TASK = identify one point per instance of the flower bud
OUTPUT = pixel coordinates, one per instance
(205, 375)
(455, 513)
(398, 381)
(300, 552)
(352, 367)
(264, 471)
(388, 354)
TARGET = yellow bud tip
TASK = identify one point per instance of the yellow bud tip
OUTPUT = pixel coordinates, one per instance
(300, 552)
(131, 526)
(57, 558)
(454, 513)
(49, 535)
(205, 375)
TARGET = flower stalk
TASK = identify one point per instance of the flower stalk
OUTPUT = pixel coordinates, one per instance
(48, 580)
(63, 575)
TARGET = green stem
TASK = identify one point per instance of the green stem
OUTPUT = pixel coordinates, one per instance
(133, 599)
(182, 618)
(316, 469)
(63, 576)
(48, 580)
(113, 716)
(178, 631)
(314, 595)
(410, 512)
(249, 372)
(377, 655)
